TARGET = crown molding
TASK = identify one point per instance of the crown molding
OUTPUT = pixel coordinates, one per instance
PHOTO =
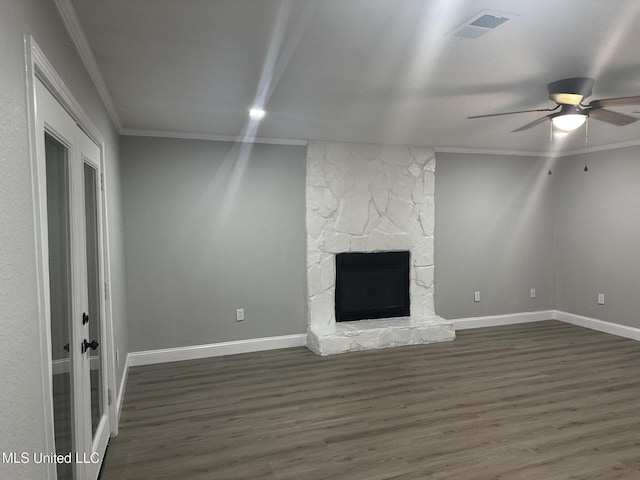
(602, 148)
(211, 137)
(72, 24)
(547, 154)
(488, 151)
(297, 142)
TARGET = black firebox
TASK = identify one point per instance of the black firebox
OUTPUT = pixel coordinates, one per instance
(372, 285)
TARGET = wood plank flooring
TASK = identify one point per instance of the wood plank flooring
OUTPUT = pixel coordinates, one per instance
(543, 401)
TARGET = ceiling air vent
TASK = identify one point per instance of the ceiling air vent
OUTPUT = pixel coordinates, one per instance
(481, 23)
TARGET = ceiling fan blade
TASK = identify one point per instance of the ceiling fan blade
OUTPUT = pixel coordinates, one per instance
(614, 118)
(615, 102)
(513, 113)
(532, 124)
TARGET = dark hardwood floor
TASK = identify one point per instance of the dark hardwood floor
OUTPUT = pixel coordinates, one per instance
(543, 401)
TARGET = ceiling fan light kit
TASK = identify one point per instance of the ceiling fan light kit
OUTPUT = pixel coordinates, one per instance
(571, 120)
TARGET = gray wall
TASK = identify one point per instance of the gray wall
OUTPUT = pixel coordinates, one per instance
(598, 235)
(211, 227)
(21, 397)
(493, 234)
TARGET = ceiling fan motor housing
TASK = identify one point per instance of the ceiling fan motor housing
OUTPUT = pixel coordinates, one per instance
(570, 91)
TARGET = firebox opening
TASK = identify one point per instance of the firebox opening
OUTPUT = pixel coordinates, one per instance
(372, 285)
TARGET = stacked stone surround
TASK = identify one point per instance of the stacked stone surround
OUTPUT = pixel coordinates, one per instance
(370, 198)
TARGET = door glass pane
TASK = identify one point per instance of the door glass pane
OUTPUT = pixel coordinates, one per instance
(93, 282)
(59, 235)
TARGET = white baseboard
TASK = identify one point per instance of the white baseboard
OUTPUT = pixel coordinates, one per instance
(599, 325)
(64, 365)
(526, 317)
(60, 366)
(150, 357)
(123, 386)
(497, 320)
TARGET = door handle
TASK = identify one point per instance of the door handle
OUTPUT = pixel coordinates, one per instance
(89, 345)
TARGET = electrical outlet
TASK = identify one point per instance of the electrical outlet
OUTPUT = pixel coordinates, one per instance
(532, 293)
(476, 297)
(601, 299)
(239, 314)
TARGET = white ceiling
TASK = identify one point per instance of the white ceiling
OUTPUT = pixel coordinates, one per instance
(380, 71)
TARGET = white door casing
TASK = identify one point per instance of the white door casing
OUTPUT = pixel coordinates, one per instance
(47, 114)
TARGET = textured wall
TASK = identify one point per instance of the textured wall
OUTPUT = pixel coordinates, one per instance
(21, 396)
(365, 198)
(494, 234)
(212, 227)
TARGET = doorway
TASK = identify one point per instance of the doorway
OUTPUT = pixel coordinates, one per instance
(70, 212)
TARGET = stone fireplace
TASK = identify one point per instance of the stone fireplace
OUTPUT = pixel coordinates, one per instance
(370, 198)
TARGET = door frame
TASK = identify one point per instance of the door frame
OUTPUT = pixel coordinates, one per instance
(38, 66)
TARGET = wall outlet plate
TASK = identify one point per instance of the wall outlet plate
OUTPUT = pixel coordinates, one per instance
(239, 314)
(601, 299)
(532, 293)
(476, 297)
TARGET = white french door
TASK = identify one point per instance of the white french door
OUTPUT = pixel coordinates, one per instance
(70, 182)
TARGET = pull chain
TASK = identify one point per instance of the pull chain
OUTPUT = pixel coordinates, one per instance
(550, 142)
(586, 144)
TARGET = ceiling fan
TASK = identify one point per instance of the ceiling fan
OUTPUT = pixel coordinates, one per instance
(570, 113)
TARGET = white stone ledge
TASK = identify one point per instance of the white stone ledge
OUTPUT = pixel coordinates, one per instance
(379, 333)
